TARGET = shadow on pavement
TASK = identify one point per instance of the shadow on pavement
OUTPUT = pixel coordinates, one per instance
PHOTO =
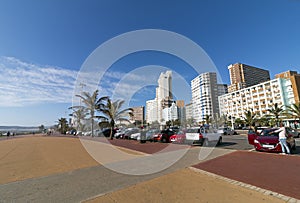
(297, 151)
(225, 144)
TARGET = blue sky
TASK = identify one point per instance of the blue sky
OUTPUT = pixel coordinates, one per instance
(43, 45)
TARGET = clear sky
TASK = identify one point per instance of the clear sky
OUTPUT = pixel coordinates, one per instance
(43, 45)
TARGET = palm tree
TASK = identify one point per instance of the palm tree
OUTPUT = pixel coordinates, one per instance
(62, 125)
(90, 104)
(249, 117)
(79, 114)
(276, 112)
(294, 110)
(207, 119)
(112, 112)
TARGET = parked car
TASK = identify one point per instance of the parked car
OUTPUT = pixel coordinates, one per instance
(150, 135)
(178, 137)
(106, 132)
(227, 131)
(252, 134)
(203, 136)
(268, 141)
(294, 132)
(164, 135)
(120, 133)
(134, 136)
(127, 133)
(79, 133)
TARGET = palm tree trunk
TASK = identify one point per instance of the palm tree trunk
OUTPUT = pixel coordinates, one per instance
(111, 133)
(112, 126)
(92, 127)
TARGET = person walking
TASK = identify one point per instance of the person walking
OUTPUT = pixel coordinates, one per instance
(282, 139)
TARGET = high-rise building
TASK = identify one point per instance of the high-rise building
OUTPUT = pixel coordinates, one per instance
(170, 113)
(189, 111)
(295, 82)
(181, 110)
(163, 99)
(205, 96)
(242, 76)
(138, 114)
(151, 111)
(222, 89)
(164, 94)
(257, 98)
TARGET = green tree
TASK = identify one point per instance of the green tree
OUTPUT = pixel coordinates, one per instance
(293, 111)
(79, 113)
(154, 124)
(238, 121)
(218, 121)
(111, 112)
(249, 117)
(90, 104)
(176, 122)
(169, 123)
(207, 119)
(275, 112)
(62, 125)
(190, 121)
(42, 128)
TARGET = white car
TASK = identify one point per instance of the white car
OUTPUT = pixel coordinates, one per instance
(135, 136)
(202, 136)
(227, 131)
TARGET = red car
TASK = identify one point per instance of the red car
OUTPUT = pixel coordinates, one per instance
(164, 135)
(268, 141)
(178, 137)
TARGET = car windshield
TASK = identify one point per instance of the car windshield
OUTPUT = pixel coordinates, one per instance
(268, 132)
(193, 130)
(180, 132)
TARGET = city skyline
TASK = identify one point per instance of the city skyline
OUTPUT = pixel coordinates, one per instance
(44, 44)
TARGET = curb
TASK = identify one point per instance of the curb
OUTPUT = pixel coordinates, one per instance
(248, 186)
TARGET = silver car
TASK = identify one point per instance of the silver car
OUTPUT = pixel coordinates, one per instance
(227, 131)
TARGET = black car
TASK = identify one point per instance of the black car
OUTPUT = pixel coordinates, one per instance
(166, 134)
(106, 132)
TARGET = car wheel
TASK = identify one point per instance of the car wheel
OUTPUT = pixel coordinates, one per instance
(219, 141)
(164, 140)
(298, 135)
(225, 133)
(235, 133)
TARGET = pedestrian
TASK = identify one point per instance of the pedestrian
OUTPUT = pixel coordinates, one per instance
(282, 139)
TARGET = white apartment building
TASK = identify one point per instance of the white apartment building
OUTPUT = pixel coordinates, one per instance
(170, 113)
(151, 111)
(189, 111)
(204, 96)
(258, 98)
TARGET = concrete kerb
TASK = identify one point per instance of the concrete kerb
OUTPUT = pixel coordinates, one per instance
(248, 186)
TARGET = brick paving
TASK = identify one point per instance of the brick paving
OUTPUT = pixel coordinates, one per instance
(274, 172)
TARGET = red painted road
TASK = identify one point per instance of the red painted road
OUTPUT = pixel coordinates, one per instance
(275, 172)
(148, 147)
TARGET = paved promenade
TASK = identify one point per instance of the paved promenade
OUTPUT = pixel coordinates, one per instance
(275, 172)
(59, 169)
